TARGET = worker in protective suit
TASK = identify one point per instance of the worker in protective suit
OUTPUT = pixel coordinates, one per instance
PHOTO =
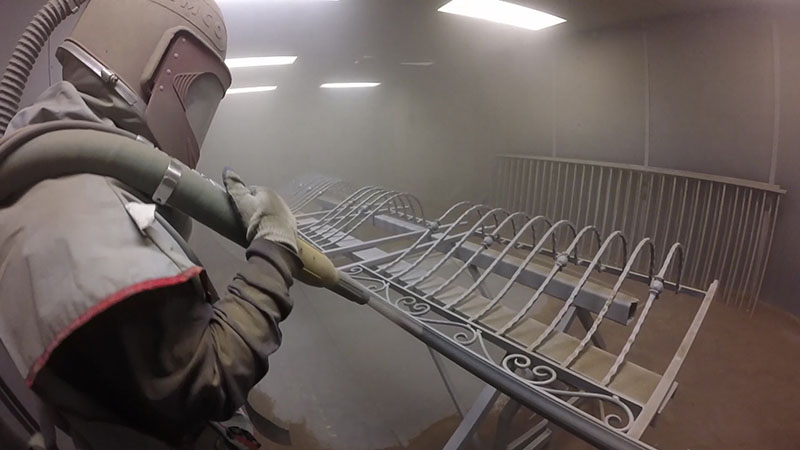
(111, 320)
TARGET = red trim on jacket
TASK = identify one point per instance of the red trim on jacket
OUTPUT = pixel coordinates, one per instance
(110, 301)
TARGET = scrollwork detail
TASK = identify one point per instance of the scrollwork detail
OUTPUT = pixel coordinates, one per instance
(412, 306)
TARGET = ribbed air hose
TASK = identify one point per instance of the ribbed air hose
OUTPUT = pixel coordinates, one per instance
(27, 51)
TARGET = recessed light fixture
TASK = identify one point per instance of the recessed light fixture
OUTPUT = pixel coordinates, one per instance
(360, 84)
(259, 61)
(247, 90)
(502, 12)
(417, 63)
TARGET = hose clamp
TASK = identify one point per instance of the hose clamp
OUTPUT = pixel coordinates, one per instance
(168, 183)
(73, 6)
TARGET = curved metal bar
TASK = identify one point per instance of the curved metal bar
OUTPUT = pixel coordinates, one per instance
(511, 280)
(644, 243)
(419, 216)
(656, 287)
(299, 187)
(573, 246)
(312, 186)
(347, 202)
(662, 273)
(416, 216)
(571, 299)
(458, 245)
(488, 241)
(314, 194)
(561, 261)
(397, 206)
(362, 210)
(298, 204)
(351, 207)
(474, 209)
(496, 261)
(363, 219)
(401, 208)
(432, 228)
(341, 206)
(350, 211)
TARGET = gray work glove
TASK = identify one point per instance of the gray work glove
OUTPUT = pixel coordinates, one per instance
(263, 212)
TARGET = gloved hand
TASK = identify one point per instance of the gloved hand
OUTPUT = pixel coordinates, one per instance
(263, 212)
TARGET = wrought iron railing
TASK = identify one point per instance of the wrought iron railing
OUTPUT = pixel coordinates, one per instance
(496, 291)
(725, 224)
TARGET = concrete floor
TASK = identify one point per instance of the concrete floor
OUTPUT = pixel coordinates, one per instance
(346, 378)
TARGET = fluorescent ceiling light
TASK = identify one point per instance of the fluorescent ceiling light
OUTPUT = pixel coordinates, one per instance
(502, 12)
(247, 90)
(349, 85)
(417, 63)
(274, 1)
(234, 63)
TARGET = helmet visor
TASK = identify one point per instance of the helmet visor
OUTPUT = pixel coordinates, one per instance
(201, 103)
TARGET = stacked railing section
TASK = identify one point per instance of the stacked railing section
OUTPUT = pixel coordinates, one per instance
(726, 224)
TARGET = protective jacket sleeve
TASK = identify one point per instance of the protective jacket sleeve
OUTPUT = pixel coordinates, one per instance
(167, 360)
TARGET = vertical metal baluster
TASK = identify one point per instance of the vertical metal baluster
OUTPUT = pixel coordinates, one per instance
(580, 197)
(580, 205)
(768, 251)
(683, 209)
(597, 200)
(628, 192)
(528, 187)
(727, 269)
(693, 264)
(543, 190)
(572, 192)
(498, 179)
(706, 212)
(510, 200)
(506, 182)
(711, 256)
(647, 207)
(670, 213)
(657, 222)
(520, 203)
(650, 189)
(522, 180)
(549, 188)
(560, 193)
(553, 214)
(615, 211)
(512, 179)
(750, 252)
(501, 181)
(589, 192)
(537, 207)
(607, 204)
(565, 193)
(734, 273)
(689, 243)
(515, 185)
(637, 199)
(726, 250)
